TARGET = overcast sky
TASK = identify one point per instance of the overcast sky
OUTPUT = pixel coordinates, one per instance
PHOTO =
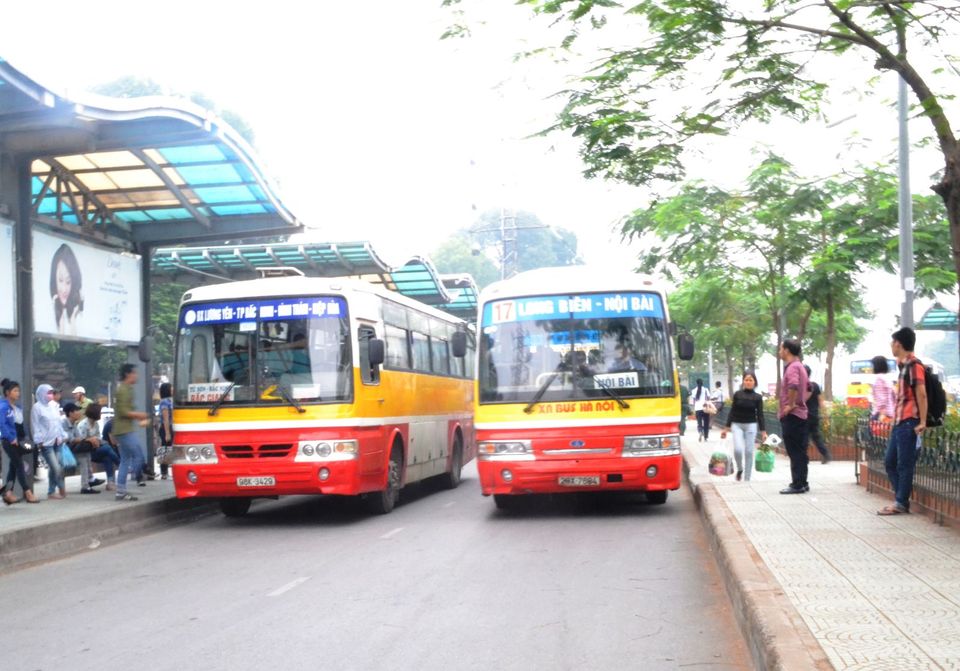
(373, 128)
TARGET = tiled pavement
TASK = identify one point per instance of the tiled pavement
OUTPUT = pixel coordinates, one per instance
(876, 592)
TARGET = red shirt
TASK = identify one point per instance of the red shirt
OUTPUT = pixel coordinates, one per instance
(911, 374)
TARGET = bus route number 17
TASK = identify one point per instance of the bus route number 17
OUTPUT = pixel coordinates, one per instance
(503, 311)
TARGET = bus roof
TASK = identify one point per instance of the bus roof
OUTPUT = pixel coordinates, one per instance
(570, 280)
(271, 287)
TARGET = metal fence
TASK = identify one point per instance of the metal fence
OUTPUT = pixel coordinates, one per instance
(936, 483)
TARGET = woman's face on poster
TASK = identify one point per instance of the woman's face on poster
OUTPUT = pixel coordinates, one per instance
(64, 282)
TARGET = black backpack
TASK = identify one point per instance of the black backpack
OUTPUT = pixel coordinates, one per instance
(936, 397)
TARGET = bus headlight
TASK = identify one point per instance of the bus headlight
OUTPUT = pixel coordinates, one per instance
(651, 446)
(204, 453)
(505, 450)
(327, 450)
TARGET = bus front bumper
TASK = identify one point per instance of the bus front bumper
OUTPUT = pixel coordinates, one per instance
(550, 476)
(266, 480)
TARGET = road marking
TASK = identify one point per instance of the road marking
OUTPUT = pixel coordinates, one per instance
(391, 534)
(289, 586)
(447, 505)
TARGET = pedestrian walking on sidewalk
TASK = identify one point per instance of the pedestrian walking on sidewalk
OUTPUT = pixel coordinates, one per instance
(700, 396)
(12, 446)
(793, 415)
(47, 429)
(717, 397)
(165, 431)
(744, 421)
(909, 421)
(126, 422)
(815, 404)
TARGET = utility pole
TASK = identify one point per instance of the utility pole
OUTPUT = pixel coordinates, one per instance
(905, 211)
(508, 242)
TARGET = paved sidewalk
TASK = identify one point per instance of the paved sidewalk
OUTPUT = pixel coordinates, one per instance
(875, 592)
(31, 533)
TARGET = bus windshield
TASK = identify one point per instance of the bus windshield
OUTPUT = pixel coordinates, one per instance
(555, 348)
(264, 351)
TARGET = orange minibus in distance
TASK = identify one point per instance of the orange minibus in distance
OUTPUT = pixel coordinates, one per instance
(296, 385)
(577, 389)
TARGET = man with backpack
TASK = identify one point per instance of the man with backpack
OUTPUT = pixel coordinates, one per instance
(909, 421)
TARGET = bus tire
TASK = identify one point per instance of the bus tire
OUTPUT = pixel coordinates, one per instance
(451, 478)
(234, 507)
(657, 497)
(382, 502)
(508, 501)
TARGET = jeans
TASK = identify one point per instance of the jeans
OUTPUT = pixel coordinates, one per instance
(55, 474)
(744, 436)
(901, 460)
(816, 435)
(131, 459)
(795, 439)
(703, 424)
(15, 470)
(107, 456)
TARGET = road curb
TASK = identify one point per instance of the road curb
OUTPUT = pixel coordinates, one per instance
(54, 540)
(776, 635)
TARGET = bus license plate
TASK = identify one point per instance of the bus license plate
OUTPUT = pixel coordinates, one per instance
(260, 481)
(579, 481)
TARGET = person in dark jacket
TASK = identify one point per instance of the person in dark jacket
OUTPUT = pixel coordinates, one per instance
(815, 403)
(744, 421)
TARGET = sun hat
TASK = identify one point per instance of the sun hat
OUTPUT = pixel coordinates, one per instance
(78, 390)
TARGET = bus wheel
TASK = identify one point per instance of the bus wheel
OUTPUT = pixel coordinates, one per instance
(508, 501)
(382, 502)
(234, 507)
(657, 497)
(451, 479)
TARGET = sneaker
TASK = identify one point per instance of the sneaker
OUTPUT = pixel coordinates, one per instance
(111, 487)
(96, 482)
(141, 484)
(89, 491)
(739, 476)
(125, 497)
(826, 459)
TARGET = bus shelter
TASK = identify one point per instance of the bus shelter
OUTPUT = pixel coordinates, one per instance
(89, 188)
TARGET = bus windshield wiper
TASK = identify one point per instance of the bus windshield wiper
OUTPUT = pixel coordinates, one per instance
(283, 392)
(541, 391)
(220, 399)
(612, 394)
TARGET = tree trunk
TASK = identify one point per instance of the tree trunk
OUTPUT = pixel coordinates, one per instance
(729, 353)
(949, 190)
(831, 346)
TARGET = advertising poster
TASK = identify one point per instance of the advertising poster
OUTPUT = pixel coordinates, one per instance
(82, 292)
(8, 278)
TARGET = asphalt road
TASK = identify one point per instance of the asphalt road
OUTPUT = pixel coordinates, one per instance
(444, 582)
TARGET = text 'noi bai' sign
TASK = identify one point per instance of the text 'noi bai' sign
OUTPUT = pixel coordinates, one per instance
(586, 306)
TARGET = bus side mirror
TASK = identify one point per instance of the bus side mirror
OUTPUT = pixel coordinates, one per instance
(145, 348)
(459, 342)
(685, 347)
(376, 351)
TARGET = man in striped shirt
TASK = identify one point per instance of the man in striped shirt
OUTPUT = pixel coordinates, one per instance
(909, 421)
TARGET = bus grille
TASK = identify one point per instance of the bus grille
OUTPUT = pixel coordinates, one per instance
(256, 452)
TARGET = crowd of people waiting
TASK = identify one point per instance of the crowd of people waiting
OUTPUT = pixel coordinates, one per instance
(58, 432)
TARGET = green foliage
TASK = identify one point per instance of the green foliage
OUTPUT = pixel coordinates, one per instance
(89, 365)
(164, 307)
(455, 255)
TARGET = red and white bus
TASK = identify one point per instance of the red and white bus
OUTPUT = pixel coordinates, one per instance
(295, 385)
(577, 389)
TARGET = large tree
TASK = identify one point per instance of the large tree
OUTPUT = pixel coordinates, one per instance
(745, 60)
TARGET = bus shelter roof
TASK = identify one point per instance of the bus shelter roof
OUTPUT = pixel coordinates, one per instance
(416, 278)
(152, 170)
(938, 318)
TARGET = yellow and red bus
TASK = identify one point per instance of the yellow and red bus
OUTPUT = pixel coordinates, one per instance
(862, 377)
(295, 385)
(577, 389)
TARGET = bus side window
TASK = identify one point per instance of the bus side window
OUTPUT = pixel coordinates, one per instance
(368, 374)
